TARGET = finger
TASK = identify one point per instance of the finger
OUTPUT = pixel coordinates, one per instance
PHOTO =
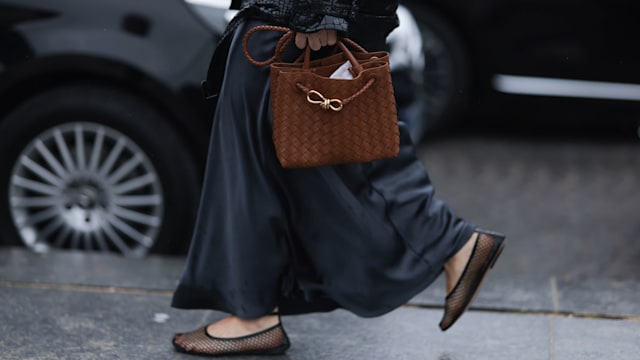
(332, 37)
(301, 40)
(323, 37)
(314, 42)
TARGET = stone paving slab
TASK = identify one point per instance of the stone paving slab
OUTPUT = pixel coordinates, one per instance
(87, 268)
(599, 296)
(413, 334)
(503, 290)
(587, 339)
(91, 306)
(56, 324)
(63, 324)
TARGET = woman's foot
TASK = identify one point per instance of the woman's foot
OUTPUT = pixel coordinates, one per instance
(236, 336)
(454, 268)
(466, 271)
(234, 326)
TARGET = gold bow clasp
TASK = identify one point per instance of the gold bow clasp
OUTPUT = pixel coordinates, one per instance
(315, 97)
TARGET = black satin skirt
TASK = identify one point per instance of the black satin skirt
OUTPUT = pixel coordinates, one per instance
(363, 237)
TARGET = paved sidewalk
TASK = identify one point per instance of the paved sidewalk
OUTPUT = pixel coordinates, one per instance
(70, 305)
(566, 287)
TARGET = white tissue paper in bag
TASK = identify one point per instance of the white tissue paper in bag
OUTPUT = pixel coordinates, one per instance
(342, 72)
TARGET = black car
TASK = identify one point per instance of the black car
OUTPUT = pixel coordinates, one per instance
(554, 62)
(103, 130)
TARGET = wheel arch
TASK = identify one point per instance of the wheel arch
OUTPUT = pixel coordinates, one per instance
(454, 19)
(46, 73)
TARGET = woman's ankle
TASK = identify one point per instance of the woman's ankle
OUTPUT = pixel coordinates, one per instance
(456, 264)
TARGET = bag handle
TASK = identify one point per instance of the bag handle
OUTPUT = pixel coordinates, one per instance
(313, 96)
(286, 40)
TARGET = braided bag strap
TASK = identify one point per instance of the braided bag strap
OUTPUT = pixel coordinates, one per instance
(282, 44)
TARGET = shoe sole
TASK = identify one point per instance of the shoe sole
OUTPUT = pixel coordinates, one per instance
(280, 350)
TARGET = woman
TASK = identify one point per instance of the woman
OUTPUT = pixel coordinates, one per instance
(270, 241)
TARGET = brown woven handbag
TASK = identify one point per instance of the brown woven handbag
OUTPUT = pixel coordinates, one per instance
(319, 120)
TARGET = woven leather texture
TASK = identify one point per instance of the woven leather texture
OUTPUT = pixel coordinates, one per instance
(308, 135)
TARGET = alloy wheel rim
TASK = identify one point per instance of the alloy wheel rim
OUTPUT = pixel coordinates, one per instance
(86, 186)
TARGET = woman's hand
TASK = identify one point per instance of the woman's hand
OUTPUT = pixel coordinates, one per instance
(317, 39)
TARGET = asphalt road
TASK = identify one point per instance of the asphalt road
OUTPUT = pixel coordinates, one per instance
(570, 207)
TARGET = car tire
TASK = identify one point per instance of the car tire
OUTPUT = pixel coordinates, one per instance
(446, 73)
(126, 184)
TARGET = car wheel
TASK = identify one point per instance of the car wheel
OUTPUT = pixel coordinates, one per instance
(90, 168)
(446, 71)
